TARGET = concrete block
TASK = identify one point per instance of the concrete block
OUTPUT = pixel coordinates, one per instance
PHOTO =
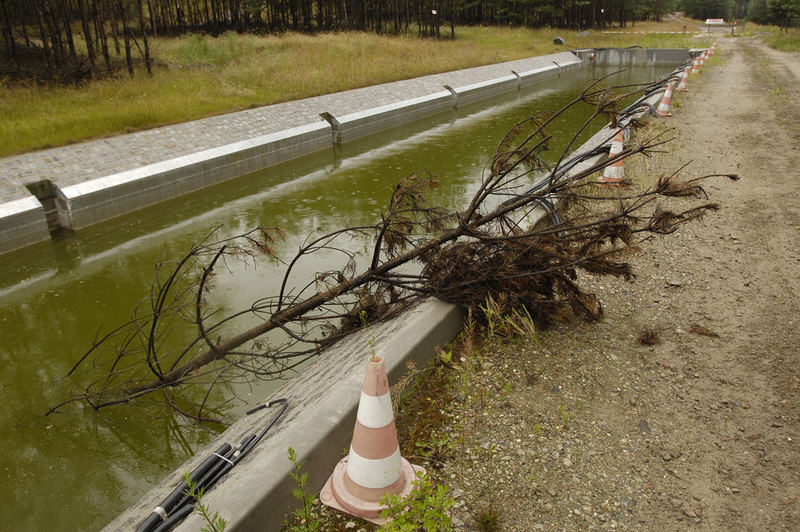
(106, 197)
(633, 56)
(318, 424)
(371, 121)
(530, 77)
(486, 89)
(22, 222)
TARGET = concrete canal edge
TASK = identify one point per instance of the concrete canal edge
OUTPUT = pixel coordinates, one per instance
(32, 219)
(24, 222)
(256, 495)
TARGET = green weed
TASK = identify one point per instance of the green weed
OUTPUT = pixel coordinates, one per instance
(425, 508)
(304, 521)
(488, 519)
(214, 523)
(788, 41)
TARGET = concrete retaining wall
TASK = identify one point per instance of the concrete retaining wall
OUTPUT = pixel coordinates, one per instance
(632, 56)
(356, 125)
(104, 198)
(23, 222)
(530, 77)
(487, 89)
(364, 123)
(110, 196)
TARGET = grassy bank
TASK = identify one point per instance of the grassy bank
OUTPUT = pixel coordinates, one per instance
(788, 41)
(198, 76)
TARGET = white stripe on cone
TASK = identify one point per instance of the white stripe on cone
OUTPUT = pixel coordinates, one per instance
(375, 412)
(374, 474)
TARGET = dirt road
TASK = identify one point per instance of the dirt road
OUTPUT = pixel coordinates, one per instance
(699, 431)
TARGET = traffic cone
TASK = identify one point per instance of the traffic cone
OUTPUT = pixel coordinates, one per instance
(702, 58)
(666, 100)
(696, 66)
(613, 173)
(683, 86)
(374, 467)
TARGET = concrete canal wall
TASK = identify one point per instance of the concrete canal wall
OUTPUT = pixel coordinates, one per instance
(106, 197)
(76, 186)
(632, 56)
(91, 182)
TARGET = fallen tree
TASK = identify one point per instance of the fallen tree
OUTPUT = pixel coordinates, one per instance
(415, 250)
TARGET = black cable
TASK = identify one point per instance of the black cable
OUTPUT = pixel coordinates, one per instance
(171, 501)
(179, 503)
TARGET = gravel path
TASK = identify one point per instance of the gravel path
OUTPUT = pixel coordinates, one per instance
(699, 431)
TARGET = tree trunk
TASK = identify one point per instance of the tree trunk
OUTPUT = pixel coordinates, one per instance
(114, 32)
(65, 16)
(8, 32)
(143, 29)
(56, 44)
(87, 35)
(453, 19)
(43, 35)
(153, 20)
(101, 22)
(126, 33)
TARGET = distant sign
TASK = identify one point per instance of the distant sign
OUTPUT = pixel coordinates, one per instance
(715, 21)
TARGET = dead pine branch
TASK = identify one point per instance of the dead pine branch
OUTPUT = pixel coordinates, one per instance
(527, 232)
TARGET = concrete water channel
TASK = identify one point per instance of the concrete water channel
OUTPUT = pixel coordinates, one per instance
(77, 470)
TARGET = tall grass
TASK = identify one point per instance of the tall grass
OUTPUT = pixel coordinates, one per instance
(788, 41)
(197, 76)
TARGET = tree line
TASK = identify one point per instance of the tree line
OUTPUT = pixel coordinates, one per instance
(89, 38)
(73, 39)
(782, 13)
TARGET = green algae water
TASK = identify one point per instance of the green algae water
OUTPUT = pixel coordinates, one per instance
(76, 470)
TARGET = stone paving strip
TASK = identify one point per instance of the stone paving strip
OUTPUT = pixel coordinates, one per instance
(78, 163)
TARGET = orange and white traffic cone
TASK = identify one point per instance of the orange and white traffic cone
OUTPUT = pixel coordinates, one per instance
(696, 66)
(702, 58)
(374, 467)
(613, 173)
(683, 86)
(666, 100)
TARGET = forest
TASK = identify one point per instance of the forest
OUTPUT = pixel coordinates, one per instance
(72, 40)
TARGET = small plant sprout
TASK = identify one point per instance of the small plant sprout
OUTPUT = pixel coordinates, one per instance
(214, 523)
(307, 522)
(362, 316)
(425, 508)
(488, 519)
(445, 357)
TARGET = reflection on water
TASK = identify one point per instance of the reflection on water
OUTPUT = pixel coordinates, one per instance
(55, 296)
